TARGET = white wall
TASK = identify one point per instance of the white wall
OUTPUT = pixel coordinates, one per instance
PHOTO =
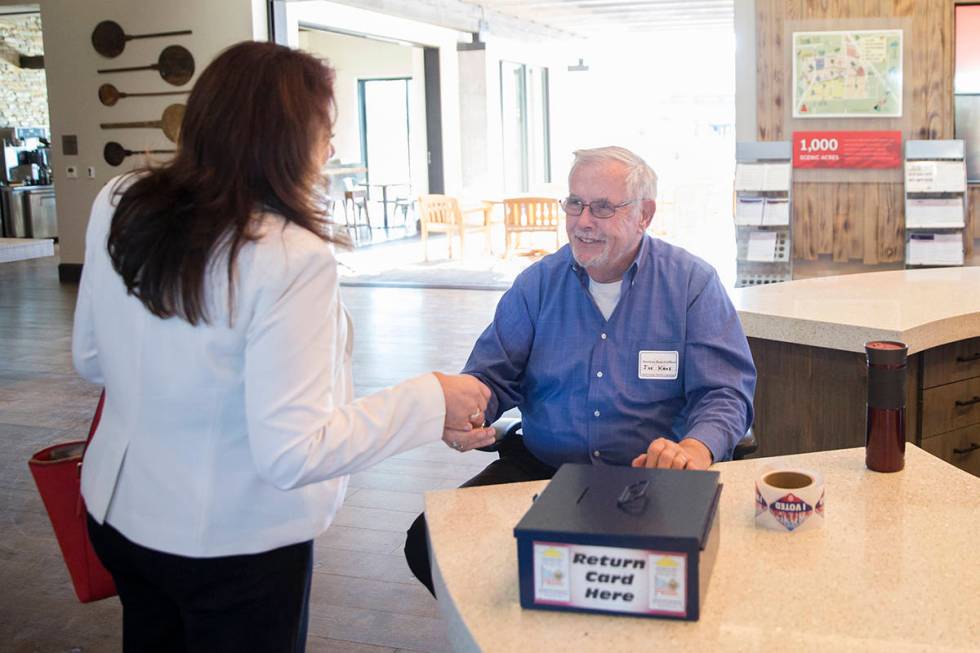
(479, 151)
(354, 58)
(71, 64)
(333, 16)
(745, 71)
(482, 145)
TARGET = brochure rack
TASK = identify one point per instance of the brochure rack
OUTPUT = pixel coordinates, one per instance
(763, 212)
(935, 202)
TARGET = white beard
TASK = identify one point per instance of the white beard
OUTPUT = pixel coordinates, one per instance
(599, 259)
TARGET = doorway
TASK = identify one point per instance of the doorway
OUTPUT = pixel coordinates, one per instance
(526, 127)
(386, 129)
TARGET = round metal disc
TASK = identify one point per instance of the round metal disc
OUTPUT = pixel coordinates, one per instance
(108, 39)
(176, 65)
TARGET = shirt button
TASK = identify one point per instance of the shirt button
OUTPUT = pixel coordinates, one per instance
(603, 336)
(599, 374)
(595, 454)
(597, 413)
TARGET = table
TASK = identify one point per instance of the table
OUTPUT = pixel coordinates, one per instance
(894, 569)
(384, 196)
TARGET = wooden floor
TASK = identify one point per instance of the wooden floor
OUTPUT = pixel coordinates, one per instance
(364, 597)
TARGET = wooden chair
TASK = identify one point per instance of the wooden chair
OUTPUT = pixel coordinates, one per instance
(355, 201)
(523, 214)
(442, 213)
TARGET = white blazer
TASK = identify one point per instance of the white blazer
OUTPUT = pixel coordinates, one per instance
(233, 438)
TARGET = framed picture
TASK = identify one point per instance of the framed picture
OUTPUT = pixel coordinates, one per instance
(847, 74)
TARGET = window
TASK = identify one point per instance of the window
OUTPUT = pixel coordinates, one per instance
(525, 122)
(385, 129)
(966, 85)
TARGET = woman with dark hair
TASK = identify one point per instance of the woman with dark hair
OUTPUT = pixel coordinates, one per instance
(209, 308)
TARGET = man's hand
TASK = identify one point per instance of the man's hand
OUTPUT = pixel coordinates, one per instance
(667, 454)
(466, 400)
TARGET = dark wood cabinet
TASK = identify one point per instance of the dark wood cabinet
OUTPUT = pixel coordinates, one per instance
(951, 403)
(814, 399)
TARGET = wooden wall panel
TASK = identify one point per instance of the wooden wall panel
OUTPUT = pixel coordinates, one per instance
(870, 225)
(849, 217)
(973, 197)
(905, 7)
(865, 220)
(891, 223)
(766, 29)
(850, 222)
(970, 230)
(804, 206)
(822, 222)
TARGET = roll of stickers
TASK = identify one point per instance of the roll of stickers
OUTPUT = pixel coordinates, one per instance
(789, 500)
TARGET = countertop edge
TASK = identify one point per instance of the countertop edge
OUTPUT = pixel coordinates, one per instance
(851, 337)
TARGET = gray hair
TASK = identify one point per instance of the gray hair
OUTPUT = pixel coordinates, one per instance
(641, 180)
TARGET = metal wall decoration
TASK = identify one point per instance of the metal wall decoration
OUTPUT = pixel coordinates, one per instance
(109, 94)
(175, 65)
(109, 39)
(169, 123)
(114, 153)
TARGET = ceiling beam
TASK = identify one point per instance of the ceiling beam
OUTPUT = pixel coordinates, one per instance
(581, 16)
(585, 17)
(461, 16)
(533, 5)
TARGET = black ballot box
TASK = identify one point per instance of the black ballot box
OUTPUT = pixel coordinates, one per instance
(620, 540)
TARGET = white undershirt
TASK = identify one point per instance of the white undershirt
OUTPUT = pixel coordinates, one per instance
(606, 295)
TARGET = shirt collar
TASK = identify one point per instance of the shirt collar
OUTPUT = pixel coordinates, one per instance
(631, 271)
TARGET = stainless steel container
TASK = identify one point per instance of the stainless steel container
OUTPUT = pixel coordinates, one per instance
(29, 212)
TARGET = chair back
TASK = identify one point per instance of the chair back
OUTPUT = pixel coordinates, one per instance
(439, 209)
(532, 213)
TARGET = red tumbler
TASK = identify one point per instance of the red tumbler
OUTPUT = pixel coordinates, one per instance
(885, 443)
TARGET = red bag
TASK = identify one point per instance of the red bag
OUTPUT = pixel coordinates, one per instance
(57, 471)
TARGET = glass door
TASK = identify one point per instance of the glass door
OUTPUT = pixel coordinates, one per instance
(524, 115)
(385, 130)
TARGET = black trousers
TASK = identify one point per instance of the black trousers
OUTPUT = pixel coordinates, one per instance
(516, 465)
(256, 602)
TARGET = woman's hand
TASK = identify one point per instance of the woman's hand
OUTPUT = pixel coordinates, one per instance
(466, 400)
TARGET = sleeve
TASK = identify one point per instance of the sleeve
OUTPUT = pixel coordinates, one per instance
(84, 349)
(500, 354)
(84, 346)
(719, 374)
(298, 434)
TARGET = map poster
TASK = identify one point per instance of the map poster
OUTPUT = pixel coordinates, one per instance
(854, 74)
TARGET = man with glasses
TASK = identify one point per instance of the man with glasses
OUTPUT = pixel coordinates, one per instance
(619, 349)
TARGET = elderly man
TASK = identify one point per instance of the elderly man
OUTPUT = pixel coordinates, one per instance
(618, 349)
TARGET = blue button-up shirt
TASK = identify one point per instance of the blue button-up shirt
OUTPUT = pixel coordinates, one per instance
(597, 390)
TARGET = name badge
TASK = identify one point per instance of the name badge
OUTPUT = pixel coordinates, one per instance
(660, 365)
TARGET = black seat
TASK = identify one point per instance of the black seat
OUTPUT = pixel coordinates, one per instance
(510, 427)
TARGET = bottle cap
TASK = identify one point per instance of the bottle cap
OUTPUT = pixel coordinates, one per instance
(886, 352)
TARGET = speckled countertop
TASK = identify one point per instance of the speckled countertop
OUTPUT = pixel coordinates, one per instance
(894, 569)
(922, 308)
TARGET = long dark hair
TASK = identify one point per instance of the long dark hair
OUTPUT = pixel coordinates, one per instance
(251, 140)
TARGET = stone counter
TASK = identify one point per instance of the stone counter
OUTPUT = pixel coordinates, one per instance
(893, 570)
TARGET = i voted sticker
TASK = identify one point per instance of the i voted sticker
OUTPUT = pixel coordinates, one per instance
(660, 365)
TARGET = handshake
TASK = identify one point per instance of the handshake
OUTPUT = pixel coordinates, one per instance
(466, 400)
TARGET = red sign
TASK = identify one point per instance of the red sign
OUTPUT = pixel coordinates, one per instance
(837, 149)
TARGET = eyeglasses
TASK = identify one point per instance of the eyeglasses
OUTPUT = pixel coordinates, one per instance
(602, 209)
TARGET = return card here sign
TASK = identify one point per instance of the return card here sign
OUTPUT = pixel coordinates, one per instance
(610, 578)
